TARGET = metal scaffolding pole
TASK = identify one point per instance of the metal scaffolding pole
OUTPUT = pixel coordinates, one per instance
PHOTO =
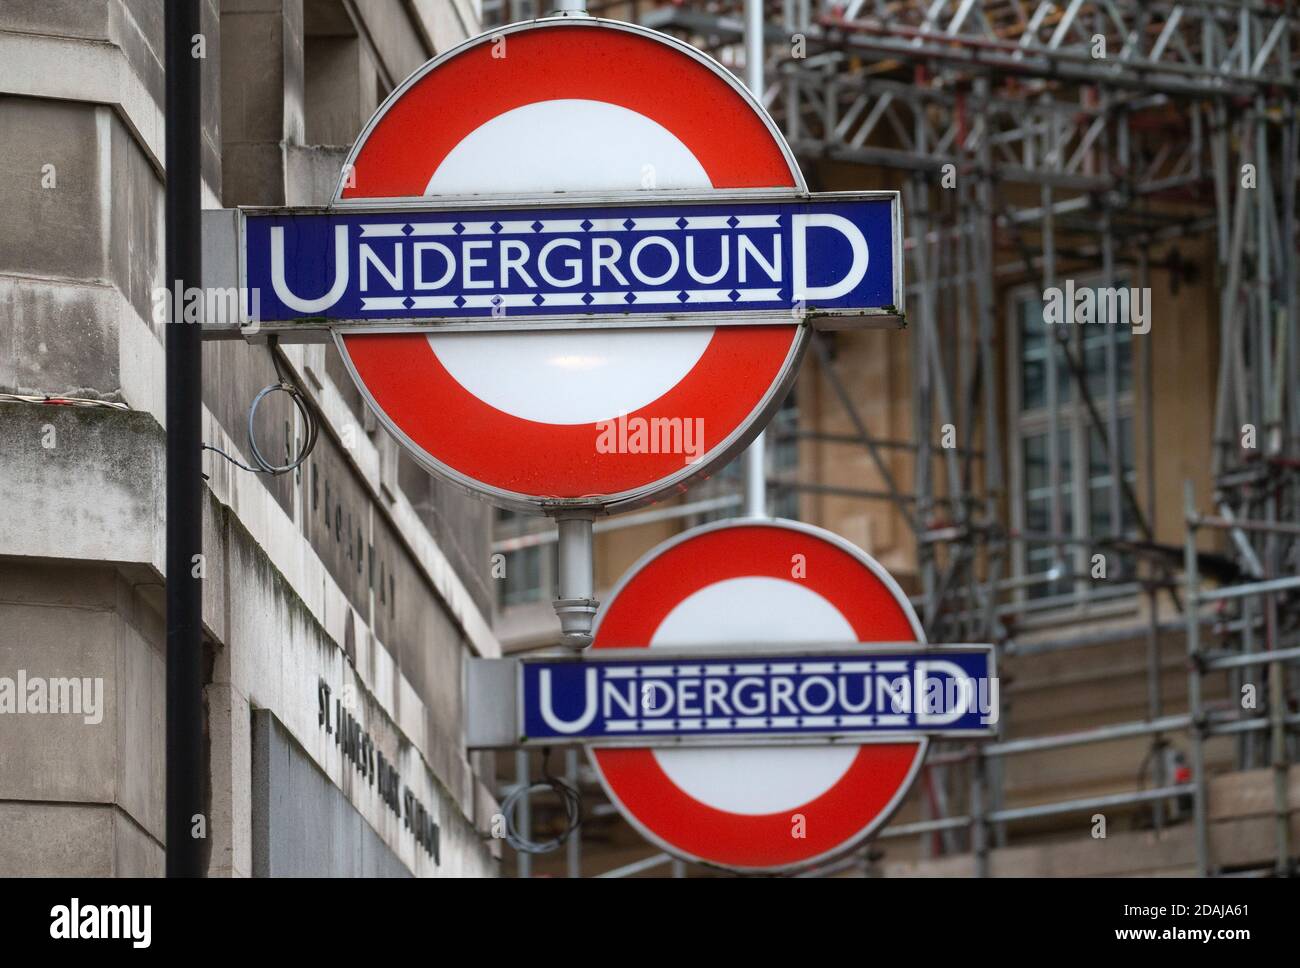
(1196, 726)
(754, 465)
(573, 846)
(1069, 166)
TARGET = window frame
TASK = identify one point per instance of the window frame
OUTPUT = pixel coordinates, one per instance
(1079, 594)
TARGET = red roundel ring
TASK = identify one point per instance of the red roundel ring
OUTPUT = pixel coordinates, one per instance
(564, 80)
(736, 807)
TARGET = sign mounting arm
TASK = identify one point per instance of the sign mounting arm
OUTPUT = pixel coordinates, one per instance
(576, 604)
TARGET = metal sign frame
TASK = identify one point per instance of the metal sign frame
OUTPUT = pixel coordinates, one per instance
(231, 234)
(495, 695)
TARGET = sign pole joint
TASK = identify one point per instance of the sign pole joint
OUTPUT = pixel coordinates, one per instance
(576, 603)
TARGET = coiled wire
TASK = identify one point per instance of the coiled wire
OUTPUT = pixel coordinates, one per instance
(304, 407)
(570, 797)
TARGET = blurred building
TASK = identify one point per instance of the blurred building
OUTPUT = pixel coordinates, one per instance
(340, 600)
(1026, 481)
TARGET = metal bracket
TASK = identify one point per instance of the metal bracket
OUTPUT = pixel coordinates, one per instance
(570, 8)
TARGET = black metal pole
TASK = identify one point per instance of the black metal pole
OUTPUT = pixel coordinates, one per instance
(184, 443)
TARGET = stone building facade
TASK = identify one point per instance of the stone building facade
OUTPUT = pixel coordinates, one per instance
(340, 600)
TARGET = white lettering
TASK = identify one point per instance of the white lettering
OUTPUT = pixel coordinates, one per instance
(392, 276)
(516, 263)
(470, 264)
(724, 259)
(673, 260)
(574, 265)
(604, 253)
(745, 247)
(420, 249)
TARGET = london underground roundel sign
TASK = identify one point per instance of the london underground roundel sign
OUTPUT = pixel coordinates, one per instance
(759, 807)
(608, 417)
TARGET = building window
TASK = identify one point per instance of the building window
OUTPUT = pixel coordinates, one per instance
(1060, 513)
(783, 457)
(530, 567)
(524, 575)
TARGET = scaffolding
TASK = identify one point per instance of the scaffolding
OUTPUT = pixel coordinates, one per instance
(1039, 143)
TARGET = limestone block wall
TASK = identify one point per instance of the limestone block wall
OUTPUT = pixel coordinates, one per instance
(383, 606)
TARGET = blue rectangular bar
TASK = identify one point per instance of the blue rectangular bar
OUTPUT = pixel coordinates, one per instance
(833, 253)
(658, 701)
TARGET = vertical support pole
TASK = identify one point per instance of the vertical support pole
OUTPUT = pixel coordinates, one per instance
(1262, 349)
(754, 48)
(985, 247)
(1115, 155)
(1113, 459)
(922, 390)
(184, 395)
(523, 815)
(754, 464)
(576, 604)
(978, 824)
(965, 367)
(570, 8)
(1290, 360)
(1196, 728)
(790, 81)
(1153, 697)
(1052, 338)
(928, 842)
(1253, 674)
(917, 199)
(1289, 357)
(1155, 702)
(573, 846)
(755, 474)
(1278, 759)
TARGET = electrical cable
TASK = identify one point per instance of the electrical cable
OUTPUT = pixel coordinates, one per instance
(60, 401)
(569, 796)
(303, 405)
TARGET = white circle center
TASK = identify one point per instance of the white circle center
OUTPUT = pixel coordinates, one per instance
(556, 146)
(770, 779)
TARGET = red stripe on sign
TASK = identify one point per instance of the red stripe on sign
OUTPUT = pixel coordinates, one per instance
(758, 550)
(414, 389)
(438, 111)
(716, 123)
(763, 841)
(871, 783)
